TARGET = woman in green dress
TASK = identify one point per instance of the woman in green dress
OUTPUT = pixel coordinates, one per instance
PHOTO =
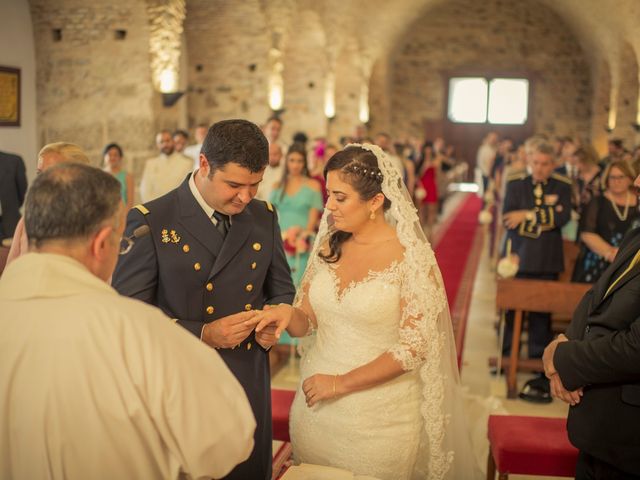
(298, 201)
(112, 155)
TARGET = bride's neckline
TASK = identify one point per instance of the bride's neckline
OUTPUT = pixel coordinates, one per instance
(341, 291)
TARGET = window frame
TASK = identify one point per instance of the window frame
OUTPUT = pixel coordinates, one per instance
(488, 77)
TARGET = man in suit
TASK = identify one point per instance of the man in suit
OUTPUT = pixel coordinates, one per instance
(13, 187)
(214, 256)
(596, 369)
(536, 207)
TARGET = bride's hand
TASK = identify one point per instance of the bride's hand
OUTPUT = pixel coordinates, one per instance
(280, 316)
(320, 387)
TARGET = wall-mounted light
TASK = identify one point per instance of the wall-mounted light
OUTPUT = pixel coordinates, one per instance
(363, 111)
(611, 122)
(168, 81)
(276, 91)
(330, 96)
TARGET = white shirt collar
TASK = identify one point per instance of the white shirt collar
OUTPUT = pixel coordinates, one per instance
(204, 205)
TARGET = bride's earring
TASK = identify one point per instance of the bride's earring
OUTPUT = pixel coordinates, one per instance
(372, 215)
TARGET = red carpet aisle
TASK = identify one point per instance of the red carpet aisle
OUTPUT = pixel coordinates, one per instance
(458, 252)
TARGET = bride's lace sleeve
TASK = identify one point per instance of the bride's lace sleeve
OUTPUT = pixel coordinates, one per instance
(422, 301)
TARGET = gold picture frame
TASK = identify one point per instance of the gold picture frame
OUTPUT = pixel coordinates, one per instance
(9, 97)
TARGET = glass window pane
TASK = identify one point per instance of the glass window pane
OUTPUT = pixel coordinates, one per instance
(508, 100)
(468, 100)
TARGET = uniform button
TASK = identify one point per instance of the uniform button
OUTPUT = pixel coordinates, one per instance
(247, 307)
(254, 265)
(249, 346)
(210, 309)
(209, 287)
(586, 330)
(249, 287)
(185, 248)
(196, 266)
(257, 247)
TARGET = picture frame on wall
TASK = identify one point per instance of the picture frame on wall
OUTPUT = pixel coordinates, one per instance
(9, 97)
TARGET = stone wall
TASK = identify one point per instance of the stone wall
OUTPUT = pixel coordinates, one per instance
(228, 44)
(94, 83)
(489, 36)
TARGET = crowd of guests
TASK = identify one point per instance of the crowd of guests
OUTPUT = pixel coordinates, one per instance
(603, 203)
(550, 192)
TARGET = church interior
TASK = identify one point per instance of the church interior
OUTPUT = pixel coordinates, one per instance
(102, 71)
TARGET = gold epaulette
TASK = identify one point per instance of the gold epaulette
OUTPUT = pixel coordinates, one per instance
(142, 209)
(269, 206)
(562, 178)
(517, 176)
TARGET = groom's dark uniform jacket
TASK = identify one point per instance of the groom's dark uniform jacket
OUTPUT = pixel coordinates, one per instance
(195, 275)
(603, 356)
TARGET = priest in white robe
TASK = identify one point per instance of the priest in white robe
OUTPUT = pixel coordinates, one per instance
(93, 384)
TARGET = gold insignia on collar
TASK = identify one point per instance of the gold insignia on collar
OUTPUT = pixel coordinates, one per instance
(175, 238)
(165, 236)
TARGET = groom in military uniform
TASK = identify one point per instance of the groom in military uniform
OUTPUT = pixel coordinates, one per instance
(535, 209)
(214, 256)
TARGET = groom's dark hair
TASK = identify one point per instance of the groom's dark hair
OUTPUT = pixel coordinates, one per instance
(359, 168)
(237, 141)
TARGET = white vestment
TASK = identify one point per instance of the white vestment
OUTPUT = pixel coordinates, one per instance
(162, 174)
(94, 385)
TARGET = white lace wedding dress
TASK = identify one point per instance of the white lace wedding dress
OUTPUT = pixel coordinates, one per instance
(374, 432)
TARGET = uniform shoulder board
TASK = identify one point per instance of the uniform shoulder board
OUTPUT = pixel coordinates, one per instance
(517, 176)
(562, 178)
(269, 206)
(142, 209)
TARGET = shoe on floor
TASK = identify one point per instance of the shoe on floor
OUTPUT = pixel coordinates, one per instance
(536, 390)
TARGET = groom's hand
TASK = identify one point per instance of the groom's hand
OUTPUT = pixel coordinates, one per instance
(229, 331)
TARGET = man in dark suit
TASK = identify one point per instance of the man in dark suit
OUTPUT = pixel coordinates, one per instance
(13, 187)
(214, 256)
(535, 208)
(596, 369)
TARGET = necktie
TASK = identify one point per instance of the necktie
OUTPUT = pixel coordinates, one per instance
(222, 223)
(634, 261)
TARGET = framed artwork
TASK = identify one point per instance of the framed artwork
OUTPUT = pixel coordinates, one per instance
(9, 97)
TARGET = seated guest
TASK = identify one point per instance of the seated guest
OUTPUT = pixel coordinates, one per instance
(50, 155)
(605, 221)
(95, 385)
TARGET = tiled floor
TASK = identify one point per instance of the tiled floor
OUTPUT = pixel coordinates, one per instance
(480, 344)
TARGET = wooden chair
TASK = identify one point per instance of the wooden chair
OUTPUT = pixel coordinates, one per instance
(529, 446)
(557, 298)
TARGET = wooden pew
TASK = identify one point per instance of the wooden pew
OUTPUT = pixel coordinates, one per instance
(557, 298)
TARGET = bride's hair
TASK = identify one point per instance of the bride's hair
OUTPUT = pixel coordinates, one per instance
(359, 168)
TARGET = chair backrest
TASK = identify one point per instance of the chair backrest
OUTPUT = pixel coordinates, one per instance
(539, 295)
(570, 251)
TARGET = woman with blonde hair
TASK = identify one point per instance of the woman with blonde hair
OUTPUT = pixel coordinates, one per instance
(50, 155)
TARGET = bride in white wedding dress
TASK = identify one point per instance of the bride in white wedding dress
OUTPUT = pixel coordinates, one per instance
(380, 393)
